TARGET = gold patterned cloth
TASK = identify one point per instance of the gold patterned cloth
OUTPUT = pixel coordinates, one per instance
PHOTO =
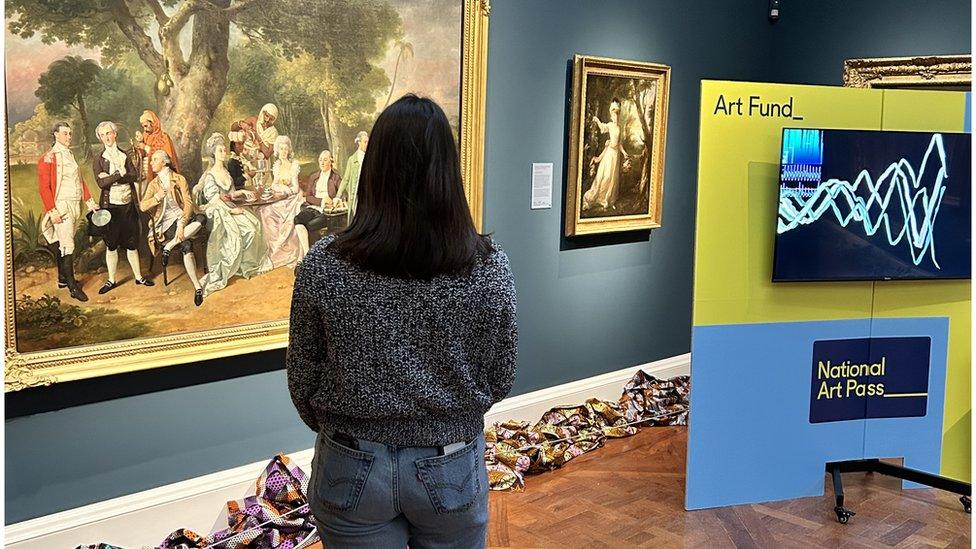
(275, 517)
(514, 448)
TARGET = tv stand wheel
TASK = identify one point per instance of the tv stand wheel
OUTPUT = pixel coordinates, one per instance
(967, 503)
(843, 514)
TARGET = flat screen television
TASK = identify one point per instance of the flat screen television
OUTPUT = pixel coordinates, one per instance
(873, 205)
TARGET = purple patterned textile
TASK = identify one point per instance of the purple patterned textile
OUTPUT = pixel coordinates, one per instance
(276, 517)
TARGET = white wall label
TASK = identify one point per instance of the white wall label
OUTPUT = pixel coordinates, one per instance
(541, 186)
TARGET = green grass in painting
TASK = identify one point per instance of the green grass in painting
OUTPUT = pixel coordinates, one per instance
(47, 323)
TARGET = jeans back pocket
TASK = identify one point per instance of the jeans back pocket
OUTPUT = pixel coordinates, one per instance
(453, 482)
(340, 474)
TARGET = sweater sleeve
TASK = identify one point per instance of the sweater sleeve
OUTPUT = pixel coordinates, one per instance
(506, 336)
(306, 355)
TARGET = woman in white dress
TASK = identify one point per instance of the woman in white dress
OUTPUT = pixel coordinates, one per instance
(603, 191)
(278, 217)
(236, 246)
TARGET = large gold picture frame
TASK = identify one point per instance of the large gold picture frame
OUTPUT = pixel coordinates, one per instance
(39, 368)
(631, 197)
(936, 72)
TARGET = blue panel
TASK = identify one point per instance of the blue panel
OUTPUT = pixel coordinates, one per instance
(887, 437)
(750, 437)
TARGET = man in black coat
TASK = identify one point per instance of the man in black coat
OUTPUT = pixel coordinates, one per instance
(116, 176)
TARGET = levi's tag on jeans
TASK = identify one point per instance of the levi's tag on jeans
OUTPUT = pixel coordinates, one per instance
(453, 481)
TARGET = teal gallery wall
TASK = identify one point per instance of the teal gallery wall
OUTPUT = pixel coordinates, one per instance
(585, 306)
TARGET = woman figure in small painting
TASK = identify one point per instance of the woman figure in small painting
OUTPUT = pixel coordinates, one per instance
(603, 191)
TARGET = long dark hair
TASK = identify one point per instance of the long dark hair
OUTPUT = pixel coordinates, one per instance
(412, 219)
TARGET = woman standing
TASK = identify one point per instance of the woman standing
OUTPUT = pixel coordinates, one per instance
(402, 335)
(278, 217)
(236, 246)
(603, 191)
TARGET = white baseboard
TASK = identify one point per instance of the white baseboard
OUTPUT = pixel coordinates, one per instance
(200, 503)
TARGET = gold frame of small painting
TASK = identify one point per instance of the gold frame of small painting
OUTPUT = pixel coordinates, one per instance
(44, 367)
(601, 176)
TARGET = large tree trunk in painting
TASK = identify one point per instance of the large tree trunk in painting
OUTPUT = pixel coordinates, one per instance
(647, 127)
(332, 125)
(294, 129)
(198, 87)
(396, 69)
(645, 109)
(324, 113)
(645, 168)
(85, 127)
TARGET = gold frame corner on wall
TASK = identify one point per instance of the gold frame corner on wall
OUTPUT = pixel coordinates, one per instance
(919, 72)
(40, 368)
(584, 65)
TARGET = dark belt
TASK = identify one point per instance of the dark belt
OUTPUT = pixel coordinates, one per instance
(350, 441)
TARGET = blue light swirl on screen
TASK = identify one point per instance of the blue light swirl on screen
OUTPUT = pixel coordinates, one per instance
(897, 194)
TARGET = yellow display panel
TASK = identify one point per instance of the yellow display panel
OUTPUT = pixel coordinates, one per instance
(910, 110)
(741, 126)
(736, 222)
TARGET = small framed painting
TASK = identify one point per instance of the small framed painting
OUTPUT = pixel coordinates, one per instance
(617, 135)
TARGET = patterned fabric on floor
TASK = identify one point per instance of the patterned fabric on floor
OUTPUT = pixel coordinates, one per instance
(514, 448)
(258, 521)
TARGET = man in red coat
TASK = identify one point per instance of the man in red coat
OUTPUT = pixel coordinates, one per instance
(62, 191)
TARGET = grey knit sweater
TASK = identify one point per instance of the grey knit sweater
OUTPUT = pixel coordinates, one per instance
(398, 361)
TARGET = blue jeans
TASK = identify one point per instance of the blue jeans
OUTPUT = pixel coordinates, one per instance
(387, 496)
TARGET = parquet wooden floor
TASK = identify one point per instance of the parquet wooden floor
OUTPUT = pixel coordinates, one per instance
(631, 494)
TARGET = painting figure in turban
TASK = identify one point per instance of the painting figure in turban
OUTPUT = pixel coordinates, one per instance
(255, 136)
(155, 139)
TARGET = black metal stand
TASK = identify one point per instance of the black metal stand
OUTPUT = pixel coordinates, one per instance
(912, 475)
